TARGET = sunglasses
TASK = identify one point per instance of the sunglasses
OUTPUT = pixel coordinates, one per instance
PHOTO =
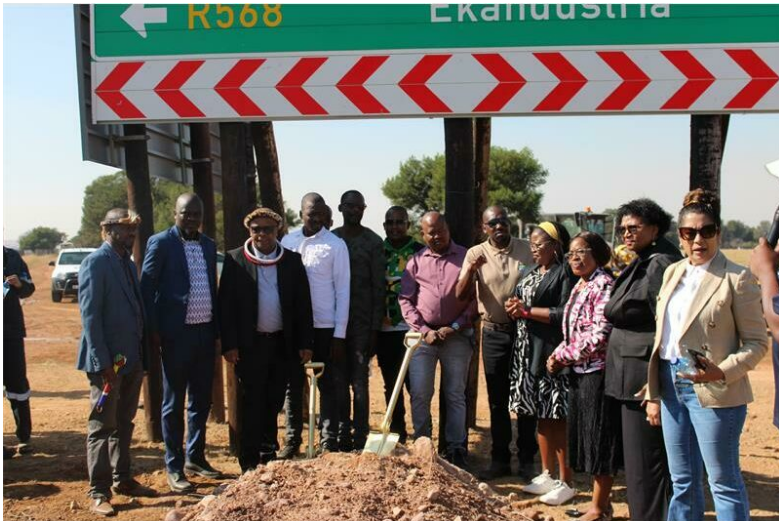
(632, 229)
(578, 254)
(397, 222)
(538, 246)
(492, 223)
(267, 230)
(707, 232)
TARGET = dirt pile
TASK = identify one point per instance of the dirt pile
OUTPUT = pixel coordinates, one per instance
(411, 485)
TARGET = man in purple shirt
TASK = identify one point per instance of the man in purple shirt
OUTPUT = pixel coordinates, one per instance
(429, 305)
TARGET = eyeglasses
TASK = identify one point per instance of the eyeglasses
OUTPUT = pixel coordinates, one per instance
(396, 222)
(267, 230)
(493, 223)
(632, 229)
(578, 254)
(707, 232)
(538, 246)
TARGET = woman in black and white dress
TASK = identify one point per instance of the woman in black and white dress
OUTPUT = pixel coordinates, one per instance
(542, 292)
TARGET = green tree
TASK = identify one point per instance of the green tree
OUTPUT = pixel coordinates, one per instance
(41, 238)
(102, 194)
(736, 234)
(515, 181)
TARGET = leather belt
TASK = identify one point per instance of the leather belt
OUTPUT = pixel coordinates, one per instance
(506, 328)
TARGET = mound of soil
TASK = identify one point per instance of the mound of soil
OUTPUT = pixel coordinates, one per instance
(411, 485)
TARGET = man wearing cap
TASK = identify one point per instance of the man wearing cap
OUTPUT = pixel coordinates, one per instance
(267, 329)
(112, 351)
(179, 291)
(493, 268)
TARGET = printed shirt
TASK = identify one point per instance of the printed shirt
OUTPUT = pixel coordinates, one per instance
(326, 260)
(427, 290)
(366, 262)
(396, 265)
(678, 308)
(199, 310)
(497, 279)
(585, 327)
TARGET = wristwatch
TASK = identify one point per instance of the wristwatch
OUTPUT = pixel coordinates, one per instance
(455, 326)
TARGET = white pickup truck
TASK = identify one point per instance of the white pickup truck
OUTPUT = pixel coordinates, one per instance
(64, 278)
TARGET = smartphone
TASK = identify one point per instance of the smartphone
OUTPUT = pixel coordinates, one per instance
(696, 356)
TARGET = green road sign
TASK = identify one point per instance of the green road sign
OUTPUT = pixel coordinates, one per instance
(176, 30)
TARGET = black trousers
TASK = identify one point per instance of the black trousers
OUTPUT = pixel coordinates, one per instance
(646, 465)
(17, 388)
(328, 399)
(496, 350)
(263, 371)
(389, 353)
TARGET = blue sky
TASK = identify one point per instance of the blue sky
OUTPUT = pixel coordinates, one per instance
(597, 161)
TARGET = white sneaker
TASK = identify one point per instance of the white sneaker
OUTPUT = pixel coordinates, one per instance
(540, 484)
(560, 494)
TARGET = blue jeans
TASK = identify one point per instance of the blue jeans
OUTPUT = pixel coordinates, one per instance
(455, 357)
(696, 436)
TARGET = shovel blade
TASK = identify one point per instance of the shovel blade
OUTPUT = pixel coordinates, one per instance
(381, 444)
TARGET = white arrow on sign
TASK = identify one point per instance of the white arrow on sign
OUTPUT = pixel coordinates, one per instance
(137, 16)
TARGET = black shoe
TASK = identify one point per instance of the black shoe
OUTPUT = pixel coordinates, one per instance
(325, 448)
(290, 451)
(458, 458)
(267, 457)
(178, 483)
(495, 470)
(202, 469)
(345, 446)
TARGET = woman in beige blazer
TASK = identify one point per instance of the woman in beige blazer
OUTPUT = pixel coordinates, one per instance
(709, 316)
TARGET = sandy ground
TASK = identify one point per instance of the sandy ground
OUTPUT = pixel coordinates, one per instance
(51, 483)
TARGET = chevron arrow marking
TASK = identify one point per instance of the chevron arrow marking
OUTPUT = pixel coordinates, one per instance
(291, 86)
(763, 78)
(571, 81)
(169, 89)
(110, 88)
(509, 82)
(229, 87)
(414, 83)
(698, 80)
(352, 85)
(633, 81)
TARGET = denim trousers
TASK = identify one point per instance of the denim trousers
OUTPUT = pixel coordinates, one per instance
(695, 437)
(455, 357)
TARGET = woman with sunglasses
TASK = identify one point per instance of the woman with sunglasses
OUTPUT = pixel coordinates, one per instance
(537, 306)
(710, 334)
(631, 310)
(593, 420)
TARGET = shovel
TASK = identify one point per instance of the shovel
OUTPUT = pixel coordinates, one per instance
(383, 442)
(317, 368)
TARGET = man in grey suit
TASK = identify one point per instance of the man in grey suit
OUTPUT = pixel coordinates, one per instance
(112, 331)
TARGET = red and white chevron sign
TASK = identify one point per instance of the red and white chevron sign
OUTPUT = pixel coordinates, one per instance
(457, 83)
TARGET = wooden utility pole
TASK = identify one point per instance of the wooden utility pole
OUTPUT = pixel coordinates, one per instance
(139, 200)
(707, 146)
(237, 201)
(482, 138)
(203, 182)
(268, 167)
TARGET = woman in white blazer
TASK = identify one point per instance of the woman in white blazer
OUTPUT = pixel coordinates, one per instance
(709, 316)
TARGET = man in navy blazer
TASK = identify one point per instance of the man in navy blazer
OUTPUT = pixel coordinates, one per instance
(178, 282)
(112, 319)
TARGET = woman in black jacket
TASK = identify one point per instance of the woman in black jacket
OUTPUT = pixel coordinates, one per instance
(631, 310)
(541, 295)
